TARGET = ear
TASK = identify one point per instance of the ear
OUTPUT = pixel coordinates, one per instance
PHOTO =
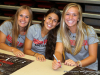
(58, 23)
(44, 18)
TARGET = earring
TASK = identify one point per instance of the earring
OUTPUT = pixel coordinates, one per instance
(44, 18)
(78, 20)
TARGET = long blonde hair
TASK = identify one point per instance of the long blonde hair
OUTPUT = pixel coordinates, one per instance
(80, 33)
(15, 26)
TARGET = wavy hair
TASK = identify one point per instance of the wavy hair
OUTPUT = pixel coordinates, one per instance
(80, 33)
(52, 35)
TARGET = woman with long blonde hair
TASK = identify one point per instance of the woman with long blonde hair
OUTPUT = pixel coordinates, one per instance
(76, 40)
(12, 31)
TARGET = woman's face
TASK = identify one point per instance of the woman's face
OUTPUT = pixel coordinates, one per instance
(23, 18)
(51, 21)
(72, 16)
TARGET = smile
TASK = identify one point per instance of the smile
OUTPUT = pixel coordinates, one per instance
(49, 26)
(22, 22)
(70, 21)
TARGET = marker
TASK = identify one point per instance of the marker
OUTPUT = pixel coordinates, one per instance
(56, 58)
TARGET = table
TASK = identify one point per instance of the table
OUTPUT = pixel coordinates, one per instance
(38, 68)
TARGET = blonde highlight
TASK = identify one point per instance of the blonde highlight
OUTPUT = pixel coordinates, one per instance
(80, 33)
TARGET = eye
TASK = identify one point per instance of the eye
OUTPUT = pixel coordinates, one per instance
(67, 13)
(74, 15)
(55, 20)
(49, 18)
(21, 15)
(27, 16)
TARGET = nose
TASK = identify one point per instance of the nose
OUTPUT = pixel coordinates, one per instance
(23, 18)
(71, 17)
(51, 21)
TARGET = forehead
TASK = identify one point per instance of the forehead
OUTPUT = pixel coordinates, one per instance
(53, 15)
(73, 9)
(24, 11)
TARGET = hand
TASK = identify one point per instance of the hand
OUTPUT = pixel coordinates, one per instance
(40, 57)
(56, 65)
(18, 53)
(70, 62)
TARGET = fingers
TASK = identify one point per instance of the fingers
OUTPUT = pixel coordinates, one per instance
(56, 65)
(18, 53)
(40, 58)
(70, 62)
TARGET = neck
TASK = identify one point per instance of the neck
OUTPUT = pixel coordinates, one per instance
(22, 29)
(73, 29)
(44, 32)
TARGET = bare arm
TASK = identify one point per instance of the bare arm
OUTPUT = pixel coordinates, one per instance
(87, 61)
(28, 46)
(27, 50)
(9, 48)
(2, 42)
(58, 54)
(92, 55)
(59, 51)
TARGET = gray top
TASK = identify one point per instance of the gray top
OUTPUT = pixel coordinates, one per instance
(91, 39)
(6, 28)
(39, 42)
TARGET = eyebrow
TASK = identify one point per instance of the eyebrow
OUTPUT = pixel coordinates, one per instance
(22, 14)
(54, 19)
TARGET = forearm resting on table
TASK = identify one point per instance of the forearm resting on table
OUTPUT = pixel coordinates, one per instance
(92, 55)
(87, 61)
(29, 52)
(6, 47)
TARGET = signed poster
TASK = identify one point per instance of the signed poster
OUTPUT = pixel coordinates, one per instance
(10, 64)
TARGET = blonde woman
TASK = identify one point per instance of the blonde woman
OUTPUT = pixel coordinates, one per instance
(77, 40)
(12, 32)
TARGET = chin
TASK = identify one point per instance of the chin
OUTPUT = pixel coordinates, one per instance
(22, 26)
(48, 29)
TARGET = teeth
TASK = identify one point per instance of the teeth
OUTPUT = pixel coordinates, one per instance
(49, 25)
(22, 22)
(70, 21)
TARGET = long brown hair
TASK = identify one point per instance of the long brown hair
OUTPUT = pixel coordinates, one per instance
(15, 26)
(52, 35)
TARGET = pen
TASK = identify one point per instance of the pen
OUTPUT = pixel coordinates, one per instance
(56, 58)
